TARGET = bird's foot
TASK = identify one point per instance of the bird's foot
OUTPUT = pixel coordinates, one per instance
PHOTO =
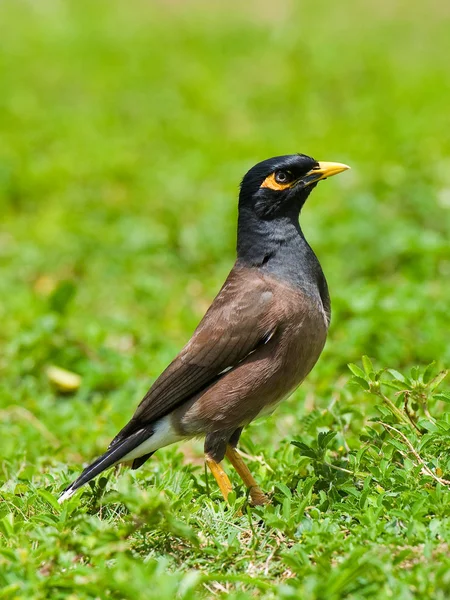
(257, 496)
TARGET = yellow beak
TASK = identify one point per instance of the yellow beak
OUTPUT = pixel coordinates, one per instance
(324, 170)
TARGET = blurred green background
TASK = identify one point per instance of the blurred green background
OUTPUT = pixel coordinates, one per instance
(125, 128)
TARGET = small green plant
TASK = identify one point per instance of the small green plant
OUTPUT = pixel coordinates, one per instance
(404, 416)
(404, 435)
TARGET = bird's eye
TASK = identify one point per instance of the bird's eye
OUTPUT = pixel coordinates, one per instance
(282, 176)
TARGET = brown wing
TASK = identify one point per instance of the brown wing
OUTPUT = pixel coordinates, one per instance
(237, 322)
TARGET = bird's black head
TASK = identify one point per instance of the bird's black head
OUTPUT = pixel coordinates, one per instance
(279, 186)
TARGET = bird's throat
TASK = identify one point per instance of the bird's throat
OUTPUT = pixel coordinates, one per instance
(278, 247)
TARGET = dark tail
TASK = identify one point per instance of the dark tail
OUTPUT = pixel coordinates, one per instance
(113, 455)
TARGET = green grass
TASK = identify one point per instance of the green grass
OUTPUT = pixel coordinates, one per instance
(125, 128)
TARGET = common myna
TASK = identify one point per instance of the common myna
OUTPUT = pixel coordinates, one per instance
(256, 343)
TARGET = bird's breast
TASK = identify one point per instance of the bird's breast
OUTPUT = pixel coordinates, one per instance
(268, 375)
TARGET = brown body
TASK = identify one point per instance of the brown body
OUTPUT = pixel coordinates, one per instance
(296, 326)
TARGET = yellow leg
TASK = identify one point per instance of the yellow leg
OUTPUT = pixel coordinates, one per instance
(256, 494)
(220, 476)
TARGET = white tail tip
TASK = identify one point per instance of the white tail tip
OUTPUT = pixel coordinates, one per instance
(66, 495)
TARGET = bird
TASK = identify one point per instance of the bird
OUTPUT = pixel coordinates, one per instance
(259, 339)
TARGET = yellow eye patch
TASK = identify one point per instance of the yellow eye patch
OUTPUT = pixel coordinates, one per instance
(271, 183)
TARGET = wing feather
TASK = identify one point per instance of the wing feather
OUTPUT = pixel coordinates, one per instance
(237, 322)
